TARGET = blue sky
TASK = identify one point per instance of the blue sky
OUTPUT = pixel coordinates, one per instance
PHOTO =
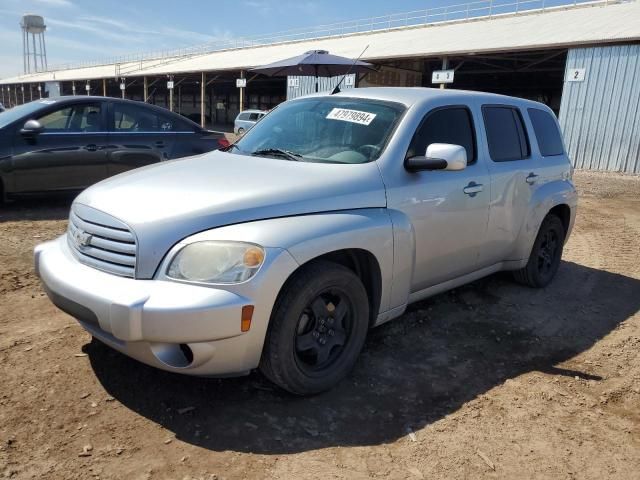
(80, 30)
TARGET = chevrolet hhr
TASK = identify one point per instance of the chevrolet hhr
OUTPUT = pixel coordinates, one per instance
(327, 218)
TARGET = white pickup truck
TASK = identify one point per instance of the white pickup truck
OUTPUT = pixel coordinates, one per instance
(327, 218)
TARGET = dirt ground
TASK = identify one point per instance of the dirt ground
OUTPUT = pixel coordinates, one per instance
(492, 380)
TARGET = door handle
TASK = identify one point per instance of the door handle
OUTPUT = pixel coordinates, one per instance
(92, 147)
(473, 188)
(531, 178)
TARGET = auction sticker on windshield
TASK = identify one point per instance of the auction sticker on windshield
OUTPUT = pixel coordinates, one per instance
(353, 116)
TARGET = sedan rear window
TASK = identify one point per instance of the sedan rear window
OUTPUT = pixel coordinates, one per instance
(324, 130)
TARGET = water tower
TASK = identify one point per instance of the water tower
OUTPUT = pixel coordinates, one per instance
(33, 47)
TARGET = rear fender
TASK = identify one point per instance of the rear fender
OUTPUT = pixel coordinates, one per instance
(547, 196)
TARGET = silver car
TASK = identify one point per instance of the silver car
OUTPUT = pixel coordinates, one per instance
(327, 218)
(247, 119)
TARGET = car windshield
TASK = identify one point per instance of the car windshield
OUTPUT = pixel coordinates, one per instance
(323, 130)
(15, 113)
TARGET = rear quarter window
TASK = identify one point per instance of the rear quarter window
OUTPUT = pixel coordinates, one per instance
(547, 133)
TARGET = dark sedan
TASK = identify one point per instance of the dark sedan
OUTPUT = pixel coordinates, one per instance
(69, 143)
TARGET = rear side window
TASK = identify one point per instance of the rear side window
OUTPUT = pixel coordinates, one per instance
(547, 133)
(243, 116)
(447, 125)
(506, 134)
(253, 117)
(133, 118)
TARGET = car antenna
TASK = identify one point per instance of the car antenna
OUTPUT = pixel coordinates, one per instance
(337, 87)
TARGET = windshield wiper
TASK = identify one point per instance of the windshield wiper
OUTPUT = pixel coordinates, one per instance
(296, 157)
(229, 147)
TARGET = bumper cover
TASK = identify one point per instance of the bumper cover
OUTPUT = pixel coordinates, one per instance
(149, 319)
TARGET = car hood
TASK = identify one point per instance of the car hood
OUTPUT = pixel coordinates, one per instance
(167, 202)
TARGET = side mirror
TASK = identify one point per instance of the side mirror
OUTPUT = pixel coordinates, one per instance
(31, 127)
(439, 156)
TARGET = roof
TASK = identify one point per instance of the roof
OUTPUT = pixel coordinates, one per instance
(559, 27)
(412, 95)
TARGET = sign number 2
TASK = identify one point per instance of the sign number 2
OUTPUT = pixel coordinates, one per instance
(576, 74)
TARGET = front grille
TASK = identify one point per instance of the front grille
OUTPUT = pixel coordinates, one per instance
(102, 242)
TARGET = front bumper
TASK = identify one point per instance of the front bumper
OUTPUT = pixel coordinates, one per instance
(173, 326)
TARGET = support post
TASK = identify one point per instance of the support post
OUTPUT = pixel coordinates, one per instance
(73, 87)
(171, 95)
(445, 65)
(104, 87)
(30, 93)
(22, 90)
(241, 92)
(202, 90)
(146, 89)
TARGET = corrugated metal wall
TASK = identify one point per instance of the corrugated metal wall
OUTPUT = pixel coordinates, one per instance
(298, 86)
(600, 116)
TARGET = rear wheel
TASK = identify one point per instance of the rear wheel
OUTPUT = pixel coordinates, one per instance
(317, 329)
(241, 131)
(545, 256)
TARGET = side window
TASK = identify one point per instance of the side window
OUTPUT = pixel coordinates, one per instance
(448, 125)
(243, 116)
(253, 117)
(78, 118)
(547, 133)
(506, 133)
(130, 118)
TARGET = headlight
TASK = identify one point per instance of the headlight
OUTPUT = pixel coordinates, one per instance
(216, 262)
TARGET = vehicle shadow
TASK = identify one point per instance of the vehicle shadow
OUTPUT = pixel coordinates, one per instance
(37, 208)
(442, 353)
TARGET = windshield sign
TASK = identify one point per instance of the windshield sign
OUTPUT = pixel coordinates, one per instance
(323, 130)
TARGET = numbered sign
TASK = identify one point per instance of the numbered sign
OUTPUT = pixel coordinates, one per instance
(294, 82)
(241, 82)
(576, 74)
(87, 87)
(122, 86)
(349, 81)
(442, 76)
(170, 84)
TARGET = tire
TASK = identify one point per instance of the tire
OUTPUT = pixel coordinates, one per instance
(240, 131)
(545, 255)
(317, 329)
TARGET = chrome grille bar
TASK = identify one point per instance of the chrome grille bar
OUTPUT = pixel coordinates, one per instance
(104, 247)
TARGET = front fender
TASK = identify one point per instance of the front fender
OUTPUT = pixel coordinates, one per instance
(306, 237)
(545, 197)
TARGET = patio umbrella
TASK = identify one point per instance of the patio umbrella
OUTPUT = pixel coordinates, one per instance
(316, 63)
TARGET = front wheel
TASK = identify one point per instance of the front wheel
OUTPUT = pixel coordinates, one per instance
(545, 255)
(317, 330)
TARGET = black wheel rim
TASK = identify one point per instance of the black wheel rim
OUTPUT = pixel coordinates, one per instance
(323, 331)
(548, 252)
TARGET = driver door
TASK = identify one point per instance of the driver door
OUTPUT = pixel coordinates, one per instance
(68, 154)
(449, 218)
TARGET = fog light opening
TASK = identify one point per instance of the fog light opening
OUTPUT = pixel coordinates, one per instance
(173, 354)
(186, 351)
